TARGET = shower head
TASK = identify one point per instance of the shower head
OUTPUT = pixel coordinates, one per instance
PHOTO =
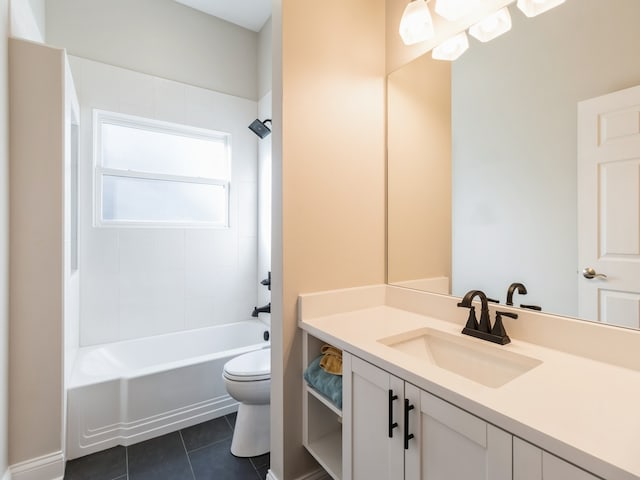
(259, 128)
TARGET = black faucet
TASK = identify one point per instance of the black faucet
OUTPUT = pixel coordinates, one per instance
(264, 309)
(483, 329)
(522, 290)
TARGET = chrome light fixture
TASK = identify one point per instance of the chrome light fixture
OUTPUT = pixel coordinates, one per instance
(453, 10)
(531, 8)
(492, 26)
(416, 24)
(451, 48)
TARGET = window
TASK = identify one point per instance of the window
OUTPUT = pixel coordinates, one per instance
(159, 174)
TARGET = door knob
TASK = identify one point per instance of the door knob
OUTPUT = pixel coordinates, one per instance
(591, 273)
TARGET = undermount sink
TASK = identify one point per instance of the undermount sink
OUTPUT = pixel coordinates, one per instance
(485, 364)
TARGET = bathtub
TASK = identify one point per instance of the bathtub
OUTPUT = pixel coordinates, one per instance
(126, 392)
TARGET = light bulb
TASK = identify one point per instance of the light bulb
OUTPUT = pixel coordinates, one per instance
(531, 8)
(451, 48)
(453, 10)
(416, 24)
(492, 26)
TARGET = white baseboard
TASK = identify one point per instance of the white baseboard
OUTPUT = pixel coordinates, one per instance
(46, 467)
(315, 475)
(7, 475)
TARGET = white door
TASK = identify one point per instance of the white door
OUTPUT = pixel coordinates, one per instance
(372, 423)
(609, 207)
(450, 443)
(531, 463)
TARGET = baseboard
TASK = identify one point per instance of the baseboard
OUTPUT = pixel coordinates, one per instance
(7, 475)
(315, 475)
(46, 467)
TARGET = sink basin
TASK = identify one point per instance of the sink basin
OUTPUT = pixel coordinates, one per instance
(485, 364)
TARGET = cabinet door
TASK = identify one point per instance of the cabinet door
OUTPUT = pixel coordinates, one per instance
(531, 463)
(369, 453)
(450, 443)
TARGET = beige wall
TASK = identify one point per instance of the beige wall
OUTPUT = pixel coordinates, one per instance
(419, 171)
(37, 226)
(329, 227)
(4, 236)
(161, 38)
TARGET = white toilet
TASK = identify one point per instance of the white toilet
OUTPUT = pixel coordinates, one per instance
(248, 380)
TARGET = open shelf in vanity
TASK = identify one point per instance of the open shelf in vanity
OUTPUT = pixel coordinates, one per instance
(322, 420)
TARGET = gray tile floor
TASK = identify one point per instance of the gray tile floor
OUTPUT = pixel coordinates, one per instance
(200, 452)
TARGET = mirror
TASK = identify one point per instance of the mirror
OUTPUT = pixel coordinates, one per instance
(482, 154)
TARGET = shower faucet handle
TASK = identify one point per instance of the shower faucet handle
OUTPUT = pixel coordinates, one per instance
(267, 281)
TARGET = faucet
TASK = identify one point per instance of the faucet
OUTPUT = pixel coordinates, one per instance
(483, 329)
(522, 290)
(264, 309)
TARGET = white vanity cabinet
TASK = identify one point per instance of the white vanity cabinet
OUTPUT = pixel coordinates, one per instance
(532, 463)
(393, 430)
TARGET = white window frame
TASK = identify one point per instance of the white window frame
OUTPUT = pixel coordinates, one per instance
(113, 118)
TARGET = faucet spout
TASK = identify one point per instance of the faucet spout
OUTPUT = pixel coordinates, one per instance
(264, 309)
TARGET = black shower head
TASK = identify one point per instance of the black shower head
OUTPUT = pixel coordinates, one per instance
(259, 128)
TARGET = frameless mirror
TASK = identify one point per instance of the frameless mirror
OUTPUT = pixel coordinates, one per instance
(483, 156)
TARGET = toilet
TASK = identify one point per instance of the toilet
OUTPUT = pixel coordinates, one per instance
(248, 380)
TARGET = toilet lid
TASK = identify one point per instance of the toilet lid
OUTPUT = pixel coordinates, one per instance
(254, 365)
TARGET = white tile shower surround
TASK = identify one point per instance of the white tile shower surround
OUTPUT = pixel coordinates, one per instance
(146, 281)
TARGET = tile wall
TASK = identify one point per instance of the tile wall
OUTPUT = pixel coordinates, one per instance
(137, 282)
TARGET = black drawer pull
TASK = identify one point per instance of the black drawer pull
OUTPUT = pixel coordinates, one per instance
(407, 436)
(392, 424)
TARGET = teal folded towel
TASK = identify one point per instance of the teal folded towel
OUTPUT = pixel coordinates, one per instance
(326, 383)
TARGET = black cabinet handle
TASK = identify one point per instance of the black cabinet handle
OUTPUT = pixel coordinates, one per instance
(407, 436)
(392, 424)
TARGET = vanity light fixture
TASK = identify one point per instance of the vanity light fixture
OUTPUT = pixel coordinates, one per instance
(531, 8)
(451, 48)
(492, 26)
(416, 24)
(453, 10)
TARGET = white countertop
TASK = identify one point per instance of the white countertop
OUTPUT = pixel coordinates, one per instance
(584, 411)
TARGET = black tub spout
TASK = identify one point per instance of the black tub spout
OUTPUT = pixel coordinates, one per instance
(264, 309)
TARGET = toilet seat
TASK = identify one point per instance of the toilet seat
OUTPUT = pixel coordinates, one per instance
(249, 367)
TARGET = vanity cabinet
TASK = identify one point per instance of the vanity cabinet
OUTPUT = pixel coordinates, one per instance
(532, 463)
(390, 429)
(393, 430)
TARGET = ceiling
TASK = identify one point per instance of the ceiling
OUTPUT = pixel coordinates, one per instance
(251, 14)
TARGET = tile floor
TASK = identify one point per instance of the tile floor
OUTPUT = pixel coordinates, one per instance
(200, 452)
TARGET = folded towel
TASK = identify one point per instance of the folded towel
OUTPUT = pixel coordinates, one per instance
(327, 384)
(331, 361)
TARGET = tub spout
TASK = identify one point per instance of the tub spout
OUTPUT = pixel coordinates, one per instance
(264, 309)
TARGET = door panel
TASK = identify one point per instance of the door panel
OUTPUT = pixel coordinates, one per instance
(373, 454)
(554, 468)
(527, 461)
(455, 444)
(609, 207)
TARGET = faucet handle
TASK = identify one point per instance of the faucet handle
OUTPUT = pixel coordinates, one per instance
(498, 327)
(492, 300)
(472, 321)
(532, 307)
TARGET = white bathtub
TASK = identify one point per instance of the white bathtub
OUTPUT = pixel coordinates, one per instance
(126, 392)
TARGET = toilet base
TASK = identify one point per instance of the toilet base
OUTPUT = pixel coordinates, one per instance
(251, 435)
